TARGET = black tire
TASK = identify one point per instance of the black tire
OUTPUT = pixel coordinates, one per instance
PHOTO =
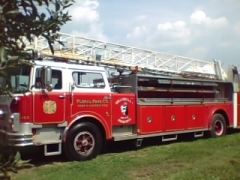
(218, 126)
(92, 142)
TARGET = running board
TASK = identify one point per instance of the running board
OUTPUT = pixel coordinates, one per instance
(169, 138)
(138, 142)
(125, 137)
(198, 134)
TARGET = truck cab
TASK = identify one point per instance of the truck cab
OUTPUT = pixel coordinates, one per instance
(50, 99)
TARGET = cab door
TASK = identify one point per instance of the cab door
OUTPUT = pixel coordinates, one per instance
(49, 106)
(91, 96)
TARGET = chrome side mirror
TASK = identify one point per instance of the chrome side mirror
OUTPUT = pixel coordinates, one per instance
(48, 78)
(49, 87)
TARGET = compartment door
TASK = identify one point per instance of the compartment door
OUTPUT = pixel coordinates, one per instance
(174, 118)
(150, 119)
(195, 117)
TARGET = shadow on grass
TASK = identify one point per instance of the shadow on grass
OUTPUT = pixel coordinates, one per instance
(38, 159)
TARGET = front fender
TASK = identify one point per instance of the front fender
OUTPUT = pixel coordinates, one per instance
(88, 114)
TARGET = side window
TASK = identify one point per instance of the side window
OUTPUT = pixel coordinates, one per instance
(38, 80)
(2, 82)
(56, 79)
(88, 79)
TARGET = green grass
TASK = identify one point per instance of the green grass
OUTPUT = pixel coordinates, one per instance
(207, 159)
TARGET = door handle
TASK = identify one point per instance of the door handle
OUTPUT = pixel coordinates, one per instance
(107, 98)
(61, 96)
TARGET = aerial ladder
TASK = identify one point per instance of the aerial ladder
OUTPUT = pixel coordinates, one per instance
(82, 50)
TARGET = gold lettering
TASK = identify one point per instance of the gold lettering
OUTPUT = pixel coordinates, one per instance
(25, 117)
(92, 103)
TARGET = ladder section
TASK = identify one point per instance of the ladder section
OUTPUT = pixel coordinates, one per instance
(83, 49)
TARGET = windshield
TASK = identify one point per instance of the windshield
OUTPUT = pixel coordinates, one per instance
(19, 78)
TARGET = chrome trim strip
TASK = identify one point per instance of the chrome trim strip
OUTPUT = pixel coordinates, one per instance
(135, 136)
(15, 139)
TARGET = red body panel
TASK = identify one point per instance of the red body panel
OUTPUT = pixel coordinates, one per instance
(195, 117)
(105, 107)
(95, 105)
(26, 106)
(238, 109)
(150, 119)
(108, 108)
(174, 118)
(22, 104)
(49, 108)
(210, 109)
(124, 109)
(179, 117)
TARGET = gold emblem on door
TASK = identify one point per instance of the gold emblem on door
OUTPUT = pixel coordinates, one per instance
(49, 107)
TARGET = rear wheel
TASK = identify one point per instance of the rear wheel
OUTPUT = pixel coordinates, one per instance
(84, 142)
(218, 126)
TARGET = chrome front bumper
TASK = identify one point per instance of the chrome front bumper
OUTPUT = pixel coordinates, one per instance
(15, 139)
(20, 135)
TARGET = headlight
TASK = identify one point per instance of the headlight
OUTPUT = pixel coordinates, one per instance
(1, 114)
(10, 120)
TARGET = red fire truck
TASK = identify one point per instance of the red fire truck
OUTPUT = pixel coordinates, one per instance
(90, 92)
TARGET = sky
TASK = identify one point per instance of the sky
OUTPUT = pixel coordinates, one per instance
(206, 29)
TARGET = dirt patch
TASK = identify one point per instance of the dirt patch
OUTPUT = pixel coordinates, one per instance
(136, 154)
(161, 170)
(172, 165)
(53, 164)
(34, 167)
(128, 154)
(147, 172)
(233, 163)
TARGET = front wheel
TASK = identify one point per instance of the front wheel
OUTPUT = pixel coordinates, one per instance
(218, 126)
(83, 142)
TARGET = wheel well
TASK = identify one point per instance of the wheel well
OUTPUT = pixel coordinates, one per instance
(224, 114)
(93, 121)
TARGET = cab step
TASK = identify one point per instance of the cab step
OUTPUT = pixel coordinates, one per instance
(52, 149)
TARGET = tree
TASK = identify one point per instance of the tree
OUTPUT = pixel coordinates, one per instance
(19, 20)
(24, 19)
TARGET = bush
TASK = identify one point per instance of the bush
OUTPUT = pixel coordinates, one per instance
(11, 162)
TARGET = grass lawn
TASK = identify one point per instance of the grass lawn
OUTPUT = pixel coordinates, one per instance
(217, 159)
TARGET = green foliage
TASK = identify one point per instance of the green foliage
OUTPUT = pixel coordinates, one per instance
(10, 161)
(21, 20)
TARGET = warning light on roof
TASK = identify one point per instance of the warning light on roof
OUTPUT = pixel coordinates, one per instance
(38, 55)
